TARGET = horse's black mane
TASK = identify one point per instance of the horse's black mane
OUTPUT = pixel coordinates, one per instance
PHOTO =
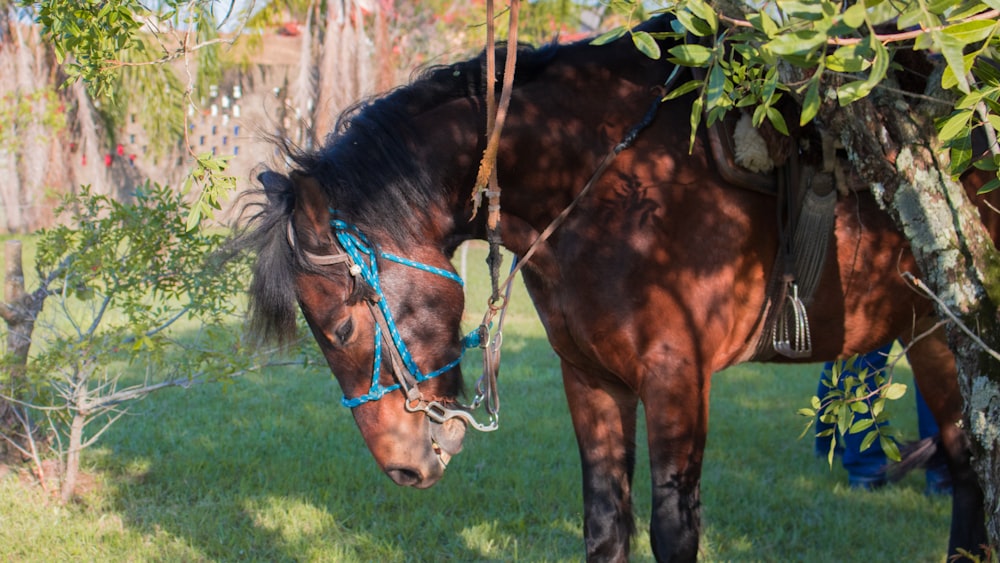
(370, 175)
(366, 165)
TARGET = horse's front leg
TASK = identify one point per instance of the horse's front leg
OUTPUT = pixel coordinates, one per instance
(604, 417)
(676, 406)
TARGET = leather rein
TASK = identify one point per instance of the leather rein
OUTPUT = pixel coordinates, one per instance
(496, 308)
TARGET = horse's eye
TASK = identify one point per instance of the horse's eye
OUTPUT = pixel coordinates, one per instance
(344, 331)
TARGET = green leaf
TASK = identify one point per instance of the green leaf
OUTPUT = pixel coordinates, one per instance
(868, 440)
(878, 405)
(853, 91)
(971, 31)
(694, 24)
(807, 412)
(777, 120)
(692, 55)
(696, 108)
(806, 428)
(894, 391)
(914, 18)
(955, 125)
(770, 85)
(811, 11)
(960, 152)
(983, 68)
(715, 89)
(844, 418)
(861, 425)
(952, 50)
(849, 58)
(988, 164)
(762, 22)
(646, 44)
(993, 120)
(880, 64)
(962, 11)
(704, 12)
(609, 36)
(193, 218)
(854, 16)
(939, 7)
(889, 447)
(989, 186)
(716, 114)
(689, 86)
(970, 100)
(796, 43)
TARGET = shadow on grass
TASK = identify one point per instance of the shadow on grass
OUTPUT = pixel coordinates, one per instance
(272, 468)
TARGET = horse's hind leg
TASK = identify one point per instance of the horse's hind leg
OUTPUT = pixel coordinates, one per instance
(604, 417)
(934, 370)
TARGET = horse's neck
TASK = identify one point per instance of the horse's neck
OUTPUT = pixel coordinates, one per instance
(565, 117)
(556, 144)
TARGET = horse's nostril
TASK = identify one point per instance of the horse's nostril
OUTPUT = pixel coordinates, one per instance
(404, 477)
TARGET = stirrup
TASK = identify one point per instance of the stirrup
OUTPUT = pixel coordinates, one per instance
(790, 334)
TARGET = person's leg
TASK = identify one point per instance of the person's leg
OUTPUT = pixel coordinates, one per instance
(865, 469)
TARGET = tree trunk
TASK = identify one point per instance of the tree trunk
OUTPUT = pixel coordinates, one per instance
(71, 471)
(19, 314)
(384, 59)
(957, 259)
(304, 91)
(35, 155)
(344, 61)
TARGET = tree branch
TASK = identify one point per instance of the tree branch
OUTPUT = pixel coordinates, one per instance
(943, 307)
(882, 37)
(181, 51)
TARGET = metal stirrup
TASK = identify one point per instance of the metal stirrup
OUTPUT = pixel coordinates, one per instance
(791, 337)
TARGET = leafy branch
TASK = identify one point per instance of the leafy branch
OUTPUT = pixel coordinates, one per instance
(852, 393)
(745, 60)
(133, 288)
(106, 44)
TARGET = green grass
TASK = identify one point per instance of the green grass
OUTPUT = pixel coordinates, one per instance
(272, 468)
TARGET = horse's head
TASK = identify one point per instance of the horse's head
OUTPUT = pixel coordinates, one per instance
(386, 319)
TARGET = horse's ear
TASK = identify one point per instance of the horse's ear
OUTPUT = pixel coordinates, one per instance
(312, 213)
(277, 187)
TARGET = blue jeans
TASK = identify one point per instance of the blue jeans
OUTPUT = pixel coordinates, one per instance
(862, 466)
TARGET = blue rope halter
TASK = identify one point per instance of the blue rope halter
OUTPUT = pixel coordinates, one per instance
(364, 262)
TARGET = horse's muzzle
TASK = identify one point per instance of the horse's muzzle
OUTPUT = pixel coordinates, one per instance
(446, 441)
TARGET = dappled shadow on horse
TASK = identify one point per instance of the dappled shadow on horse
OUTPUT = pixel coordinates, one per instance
(661, 275)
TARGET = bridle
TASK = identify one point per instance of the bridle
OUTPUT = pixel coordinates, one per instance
(361, 257)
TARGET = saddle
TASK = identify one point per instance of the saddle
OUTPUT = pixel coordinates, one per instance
(763, 160)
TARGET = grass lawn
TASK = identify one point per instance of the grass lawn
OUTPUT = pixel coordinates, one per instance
(271, 468)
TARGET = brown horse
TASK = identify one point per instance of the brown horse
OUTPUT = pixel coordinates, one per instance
(654, 282)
